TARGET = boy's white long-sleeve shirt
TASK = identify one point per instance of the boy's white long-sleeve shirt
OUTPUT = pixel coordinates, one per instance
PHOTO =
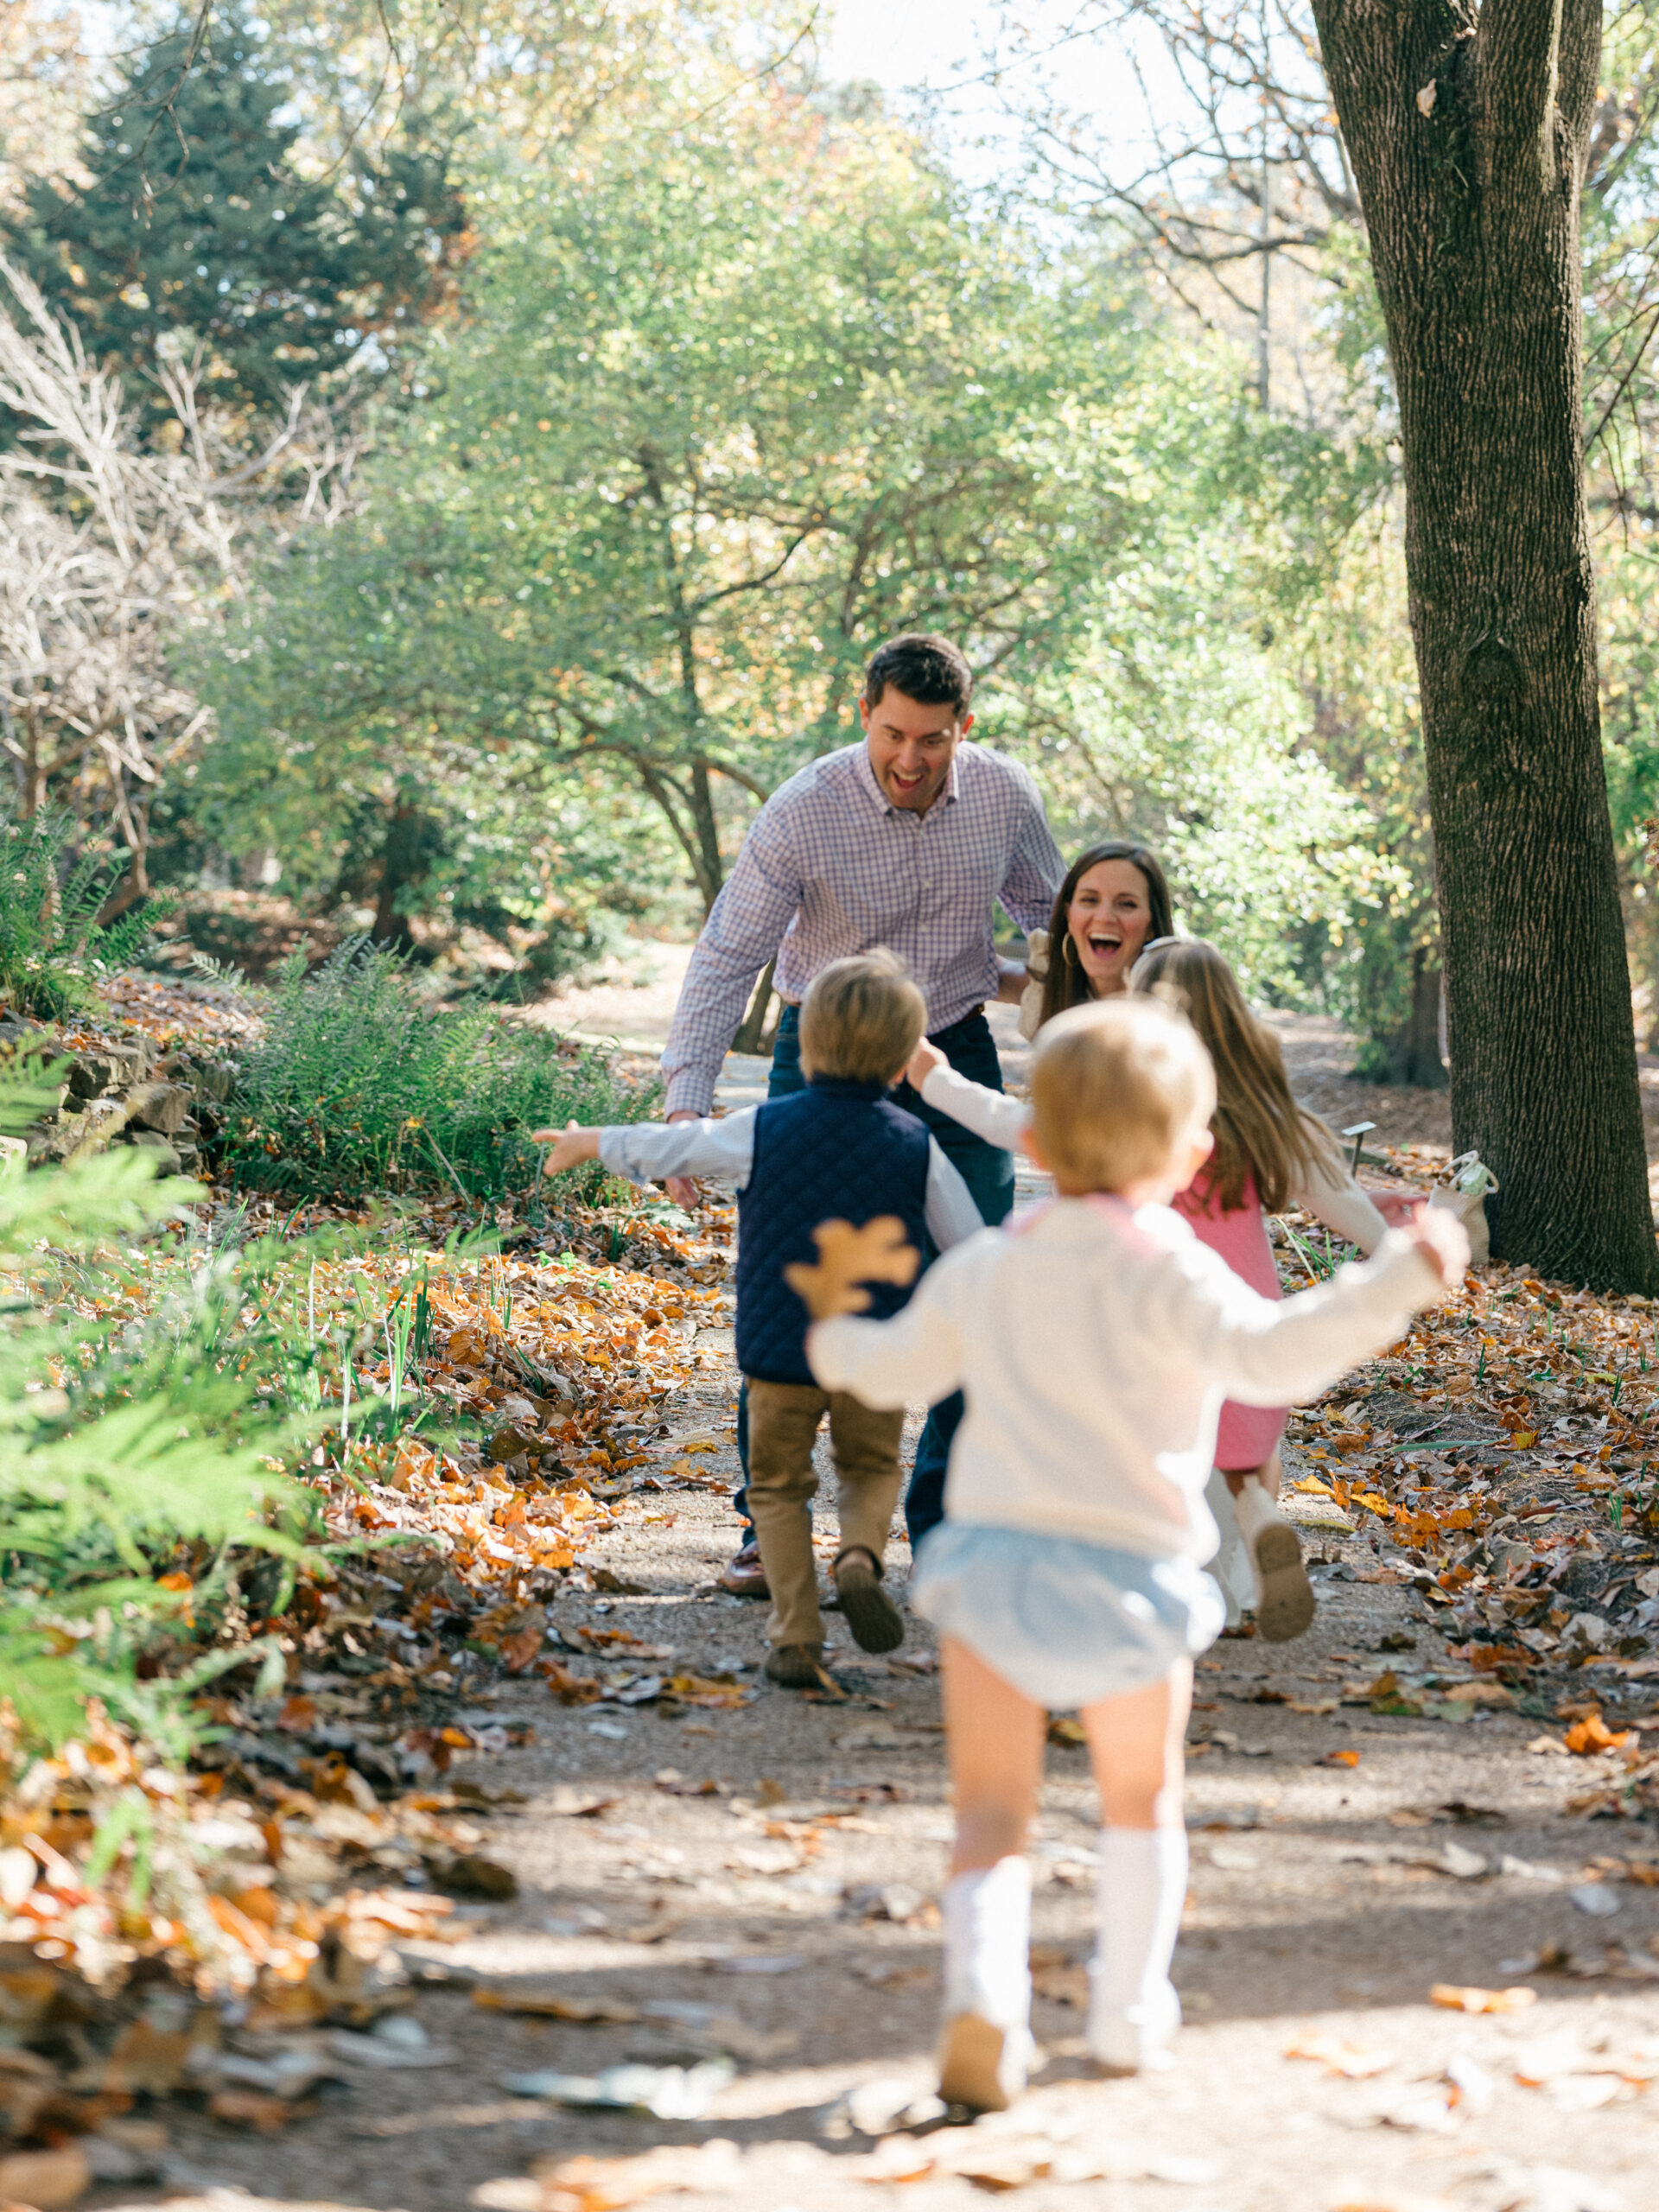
(645, 1152)
(1328, 1192)
(1095, 1347)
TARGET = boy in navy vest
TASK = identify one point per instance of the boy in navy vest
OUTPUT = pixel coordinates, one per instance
(839, 1149)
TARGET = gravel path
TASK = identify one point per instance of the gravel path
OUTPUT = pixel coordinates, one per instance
(756, 1887)
(759, 1882)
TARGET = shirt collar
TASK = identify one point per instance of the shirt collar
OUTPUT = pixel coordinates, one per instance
(874, 791)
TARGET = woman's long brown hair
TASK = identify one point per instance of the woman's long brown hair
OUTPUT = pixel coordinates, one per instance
(1065, 985)
(1259, 1129)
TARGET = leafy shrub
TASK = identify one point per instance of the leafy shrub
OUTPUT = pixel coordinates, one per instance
(119, 1446)
(360, 1086)
(52, 948)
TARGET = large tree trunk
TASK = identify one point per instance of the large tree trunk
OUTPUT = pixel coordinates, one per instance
(1467, 131)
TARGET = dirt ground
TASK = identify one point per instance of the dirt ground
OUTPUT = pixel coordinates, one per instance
(758, 1886)
(1312, 1912)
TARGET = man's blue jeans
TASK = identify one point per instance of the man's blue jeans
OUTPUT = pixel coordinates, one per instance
(988, 1171)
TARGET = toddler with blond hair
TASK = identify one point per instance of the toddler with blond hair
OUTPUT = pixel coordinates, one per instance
(1095, 1345)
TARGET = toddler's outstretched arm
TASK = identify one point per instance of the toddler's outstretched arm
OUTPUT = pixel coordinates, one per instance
(916, 1355)
(1264, 1353)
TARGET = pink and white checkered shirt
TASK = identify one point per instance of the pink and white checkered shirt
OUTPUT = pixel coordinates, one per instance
(831, 867)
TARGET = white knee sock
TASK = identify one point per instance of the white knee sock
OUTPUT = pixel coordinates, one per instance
(1232, 1566)
(987, 1944)
(1133, 2008)
(1253, 1510)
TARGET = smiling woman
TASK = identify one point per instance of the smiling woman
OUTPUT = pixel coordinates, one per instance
(1114, 900)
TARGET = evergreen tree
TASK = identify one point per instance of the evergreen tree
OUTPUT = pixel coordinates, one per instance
(195, 220)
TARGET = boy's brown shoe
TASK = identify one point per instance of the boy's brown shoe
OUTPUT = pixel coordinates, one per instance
(876, 1622)
(795, 1666)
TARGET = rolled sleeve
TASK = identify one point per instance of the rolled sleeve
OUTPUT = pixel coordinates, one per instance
(743, 930)
(1035, 870)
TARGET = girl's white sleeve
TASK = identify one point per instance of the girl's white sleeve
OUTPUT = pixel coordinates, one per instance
(1331, 1194)
(1266, 1352)
(914, 1358)
(991, 1115)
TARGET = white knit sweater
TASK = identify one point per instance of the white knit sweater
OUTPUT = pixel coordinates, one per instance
(1095, 1345)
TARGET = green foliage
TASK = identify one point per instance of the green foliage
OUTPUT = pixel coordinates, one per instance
(1175, 725)
(733, 401)
(118, 1446)
(196, 226)
(53, 950)
(360, 1085)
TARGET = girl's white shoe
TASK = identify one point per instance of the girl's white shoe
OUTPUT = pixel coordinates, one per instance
(985, 2047)
(1285, 1607)
(1231, 1565)
(982, 2066)
(1136, 2039)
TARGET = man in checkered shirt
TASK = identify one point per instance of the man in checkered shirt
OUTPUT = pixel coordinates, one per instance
(909, 840)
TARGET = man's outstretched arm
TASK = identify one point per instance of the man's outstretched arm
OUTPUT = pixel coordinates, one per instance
(743, 931)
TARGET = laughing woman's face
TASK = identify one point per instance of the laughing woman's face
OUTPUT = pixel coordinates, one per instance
(1109, 919)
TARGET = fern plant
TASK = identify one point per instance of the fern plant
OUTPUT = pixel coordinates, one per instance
(53, 948)
(115, 1451)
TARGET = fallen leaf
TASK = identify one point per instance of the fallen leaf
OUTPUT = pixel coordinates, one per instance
(472, 1875)
(1455, 1999)
(1593, 1735)
(585, 2009)
(1337, 1759)
(252, 2108)
(45, 2180)
(1352, 2061)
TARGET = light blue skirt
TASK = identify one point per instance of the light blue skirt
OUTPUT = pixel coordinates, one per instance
(1066, 1623)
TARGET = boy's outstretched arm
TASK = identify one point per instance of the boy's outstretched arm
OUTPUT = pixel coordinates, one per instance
(646, 1152)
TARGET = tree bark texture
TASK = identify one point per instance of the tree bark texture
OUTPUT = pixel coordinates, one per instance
(1467, 129)
(1412, 1049)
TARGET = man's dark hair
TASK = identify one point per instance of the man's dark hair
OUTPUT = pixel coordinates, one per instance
(930, 671)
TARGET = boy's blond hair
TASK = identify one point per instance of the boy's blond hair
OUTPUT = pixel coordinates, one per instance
(1114, 1088)
(862, 1018)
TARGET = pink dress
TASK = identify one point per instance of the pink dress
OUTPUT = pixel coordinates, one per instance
(1247, 1436)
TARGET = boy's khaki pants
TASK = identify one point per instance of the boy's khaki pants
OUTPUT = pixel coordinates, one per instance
(783, 1421)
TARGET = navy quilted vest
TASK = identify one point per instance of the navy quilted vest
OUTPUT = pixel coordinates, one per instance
(836, 1151)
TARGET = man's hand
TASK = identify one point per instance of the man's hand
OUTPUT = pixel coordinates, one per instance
(683, 1189)
(572, 1145)
(1011, 981)
(1443, 1240)
(922, 1061)
(848, 1259)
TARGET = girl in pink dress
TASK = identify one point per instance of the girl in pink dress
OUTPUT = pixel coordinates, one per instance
(1269, 1155)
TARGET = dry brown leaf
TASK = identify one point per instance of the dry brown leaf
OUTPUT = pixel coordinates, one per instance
(585, 2009)
(46, 2180)
(1354, 2062)
(1593, 1735)
(1455, 1999)
(253, 2108)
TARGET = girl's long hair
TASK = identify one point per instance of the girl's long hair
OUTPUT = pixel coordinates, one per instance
(1065, 985)
(1259, 1129)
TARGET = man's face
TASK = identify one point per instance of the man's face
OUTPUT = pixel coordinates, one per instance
(911, 746)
